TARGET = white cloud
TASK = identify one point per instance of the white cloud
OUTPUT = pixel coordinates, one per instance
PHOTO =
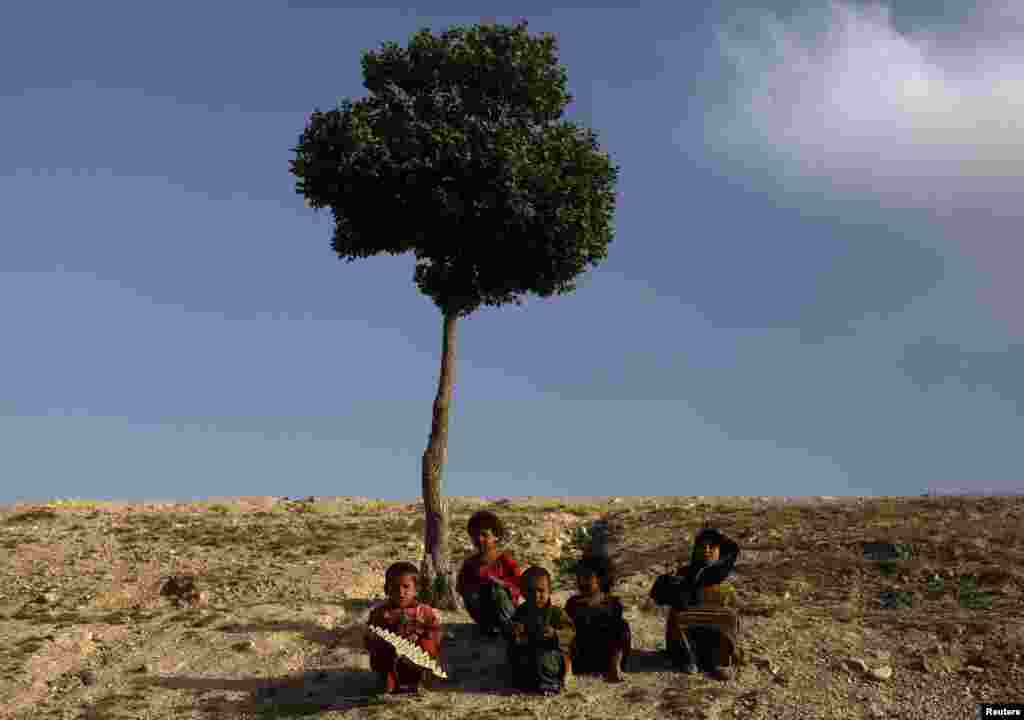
(910, 116)
(839, 100)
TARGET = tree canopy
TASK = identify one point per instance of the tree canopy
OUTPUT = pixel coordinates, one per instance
(458, 154)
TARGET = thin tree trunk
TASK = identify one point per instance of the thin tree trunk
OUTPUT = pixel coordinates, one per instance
(436, 572)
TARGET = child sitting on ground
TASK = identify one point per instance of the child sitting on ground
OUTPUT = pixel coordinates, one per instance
(540, 647)
(603, 639)
(405, 616)
(489, 580)
(702, 628)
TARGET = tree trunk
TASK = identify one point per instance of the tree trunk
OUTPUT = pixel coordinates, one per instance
(436, 573)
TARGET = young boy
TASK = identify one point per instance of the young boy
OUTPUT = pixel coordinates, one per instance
(489, 580)
(603, 639)
(540, 647)
(403, 615)
(702, 625)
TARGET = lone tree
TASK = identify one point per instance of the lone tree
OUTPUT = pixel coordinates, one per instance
(459, 155)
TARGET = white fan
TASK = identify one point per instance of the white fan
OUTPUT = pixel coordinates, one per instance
(409, 650)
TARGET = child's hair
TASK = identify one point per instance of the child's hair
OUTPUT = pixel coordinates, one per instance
(485, 520)
(534, 572)
(397, 570)
(600, 567)
(708, 536)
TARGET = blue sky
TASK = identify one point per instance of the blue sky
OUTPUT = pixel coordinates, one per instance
(812, 289)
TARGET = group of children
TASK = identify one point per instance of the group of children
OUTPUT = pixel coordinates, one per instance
(546, 642)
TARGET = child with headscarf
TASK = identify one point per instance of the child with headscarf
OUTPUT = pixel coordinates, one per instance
(702, 628)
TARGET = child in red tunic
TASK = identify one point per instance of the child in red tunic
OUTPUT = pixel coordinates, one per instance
(489, 580)
(404, 615)
(603, 638)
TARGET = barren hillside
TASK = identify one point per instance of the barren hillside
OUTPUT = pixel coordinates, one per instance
(853, 608)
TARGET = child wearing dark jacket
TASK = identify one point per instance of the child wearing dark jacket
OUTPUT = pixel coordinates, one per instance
(702, 628)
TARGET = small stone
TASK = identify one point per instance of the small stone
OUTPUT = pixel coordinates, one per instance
(143, 668)
(883, 672)
(244, 646)
(856, 664)
(88, 677)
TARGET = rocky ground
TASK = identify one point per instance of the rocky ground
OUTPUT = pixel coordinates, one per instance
(255, 607)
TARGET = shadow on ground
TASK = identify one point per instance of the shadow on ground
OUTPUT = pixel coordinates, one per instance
(293, 695)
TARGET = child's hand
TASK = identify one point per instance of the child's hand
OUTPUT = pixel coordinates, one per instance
(549, 632)
(518, 632)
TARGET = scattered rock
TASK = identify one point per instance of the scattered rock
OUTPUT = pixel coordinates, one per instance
(891, 599)
(143, 668)
(937, 663)
(244, 646)
(881, 551)
(88, 677)
(857, 664)
(883, 672)
(182, 590)
(764, 663)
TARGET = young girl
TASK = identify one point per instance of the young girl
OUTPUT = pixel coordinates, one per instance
(603, 639)
(489, 580)
(403, 615)
(702, 627)
(540, 643)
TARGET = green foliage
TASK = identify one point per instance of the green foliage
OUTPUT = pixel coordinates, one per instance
(970, 597)
(458, 155)
(888, 567)
(891, 567)
(429, 594)
(581, 538)
(565, 566)
(903, 598)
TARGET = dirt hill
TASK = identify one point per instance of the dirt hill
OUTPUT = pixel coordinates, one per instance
(853, 608)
